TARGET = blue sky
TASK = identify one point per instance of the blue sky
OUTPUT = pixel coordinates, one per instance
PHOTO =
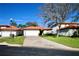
(21, 13)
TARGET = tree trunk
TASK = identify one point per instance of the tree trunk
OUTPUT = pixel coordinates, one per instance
(59, 27)
(58, 31)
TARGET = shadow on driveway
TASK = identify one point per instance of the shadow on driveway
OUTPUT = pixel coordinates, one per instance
(31, 51)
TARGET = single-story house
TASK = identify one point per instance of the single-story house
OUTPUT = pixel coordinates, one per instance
(66, 29)
(4, 26)
(6, 31)
(35, 30)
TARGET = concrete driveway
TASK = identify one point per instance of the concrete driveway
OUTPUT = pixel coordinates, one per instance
(39, 42)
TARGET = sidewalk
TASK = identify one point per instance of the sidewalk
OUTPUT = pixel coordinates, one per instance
(5, 43)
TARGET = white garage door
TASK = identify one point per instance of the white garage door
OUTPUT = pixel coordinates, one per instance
(31, 32)
(5, 33)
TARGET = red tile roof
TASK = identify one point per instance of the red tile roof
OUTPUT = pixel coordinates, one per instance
(36, 28)
(70, 27)
(26, 28)
(11, 28)
(69, 23)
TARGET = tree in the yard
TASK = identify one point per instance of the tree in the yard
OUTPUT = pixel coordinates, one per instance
(21, 25)
(31, 24)
(13, 22)
(59, 12)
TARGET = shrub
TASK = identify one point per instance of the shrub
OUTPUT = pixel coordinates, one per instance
(75, 34)
(12, 35)
(0, 35)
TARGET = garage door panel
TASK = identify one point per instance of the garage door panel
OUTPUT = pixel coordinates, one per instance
(31, 33)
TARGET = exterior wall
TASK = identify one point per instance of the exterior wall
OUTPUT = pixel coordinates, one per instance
(47, 32)
(0, 33)
(7, 33)
(31, 32)
(54, 29)
(67, 33)
(19, 33)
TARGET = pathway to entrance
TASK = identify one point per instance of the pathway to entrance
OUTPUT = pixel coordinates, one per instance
(39, 42)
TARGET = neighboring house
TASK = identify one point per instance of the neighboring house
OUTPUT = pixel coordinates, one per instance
(66, 29)
(6, 31)
(4, 26)
(35, 31)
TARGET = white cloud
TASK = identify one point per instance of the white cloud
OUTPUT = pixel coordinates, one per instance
(11, 18)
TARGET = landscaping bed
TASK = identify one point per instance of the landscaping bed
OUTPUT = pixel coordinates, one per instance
(11, 40)
(69, 41)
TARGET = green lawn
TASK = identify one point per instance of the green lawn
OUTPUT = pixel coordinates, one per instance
(15, 40)
(72, 42)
